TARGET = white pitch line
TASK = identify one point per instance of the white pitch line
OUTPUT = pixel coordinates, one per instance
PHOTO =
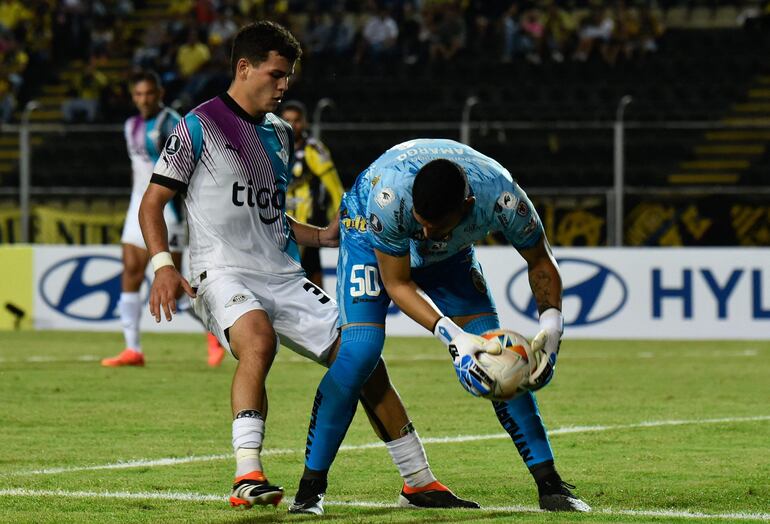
(200, 497)
(171, 461)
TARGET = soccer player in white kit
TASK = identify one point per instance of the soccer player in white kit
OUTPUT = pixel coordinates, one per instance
(145, 135)
(230, 158)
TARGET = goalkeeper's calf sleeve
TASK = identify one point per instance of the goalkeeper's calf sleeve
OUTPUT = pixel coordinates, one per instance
(338, 393)
(519, 416)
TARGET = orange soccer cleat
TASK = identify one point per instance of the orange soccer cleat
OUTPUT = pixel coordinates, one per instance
(216, 351)
(434, 495)
(127, 357)
(254, 489)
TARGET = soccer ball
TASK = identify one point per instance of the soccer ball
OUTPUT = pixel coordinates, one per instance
(511, 368)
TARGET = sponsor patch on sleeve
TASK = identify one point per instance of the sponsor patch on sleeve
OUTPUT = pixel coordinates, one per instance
(173, 145)
(384, 198)
(375, 224)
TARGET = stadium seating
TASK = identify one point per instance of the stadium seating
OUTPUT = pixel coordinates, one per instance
(703, 75)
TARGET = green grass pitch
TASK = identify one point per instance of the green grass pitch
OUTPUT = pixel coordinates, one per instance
(649, 431)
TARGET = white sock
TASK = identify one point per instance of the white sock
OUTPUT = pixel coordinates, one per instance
(248, 433)
(130, 308)
(410, 459)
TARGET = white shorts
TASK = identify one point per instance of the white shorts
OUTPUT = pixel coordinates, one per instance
(132, 233)
(303, 316)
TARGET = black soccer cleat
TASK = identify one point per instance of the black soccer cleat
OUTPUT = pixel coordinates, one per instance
(310, 497)
(434, 495)
(555, 495)
(254, 489)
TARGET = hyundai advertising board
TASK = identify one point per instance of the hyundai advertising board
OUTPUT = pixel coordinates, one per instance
(660, 293)
(78, 287)
(608, 293)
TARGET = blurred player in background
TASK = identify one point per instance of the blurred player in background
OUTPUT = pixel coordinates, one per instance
(426, 202)
(145, 135)
(315, 189)
(230, 159)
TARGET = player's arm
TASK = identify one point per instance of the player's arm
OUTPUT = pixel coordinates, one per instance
(314, 236)
(167, 278)
(544, 276)
(545, 282)
(395, 273)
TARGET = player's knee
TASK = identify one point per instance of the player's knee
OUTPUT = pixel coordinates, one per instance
(358, 355)
(133, 276)
(256, 348)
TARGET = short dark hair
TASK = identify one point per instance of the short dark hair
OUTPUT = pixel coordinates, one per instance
(295, 105)
(255, 41)
(147, 75)
(439, 189)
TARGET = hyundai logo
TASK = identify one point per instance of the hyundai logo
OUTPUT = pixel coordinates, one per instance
(85, 287)
(592, 292)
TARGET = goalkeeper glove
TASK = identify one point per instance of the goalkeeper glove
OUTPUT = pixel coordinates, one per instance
(463, 348)
(545, 347)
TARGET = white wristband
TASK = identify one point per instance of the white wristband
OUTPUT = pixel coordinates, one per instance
(161, 259)
(552, 320)
(445, 330)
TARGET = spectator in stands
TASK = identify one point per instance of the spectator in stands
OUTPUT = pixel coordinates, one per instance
(192, 56)
(147, 54)
(12, 13)
(533, 30)
(341, 33)
(484, 33)
(559, 28)
(102, 37)
(205, 12)
(14, 62)
(180, 8)
(624, 32)
(224, 26)
(7, 99)
(595, 30)
(379, 35)
(651, 28)
(86, 90)
(411, 36)
(316, 34)
(191, 59)
(315, 189)
(448, 37)
(515, 41)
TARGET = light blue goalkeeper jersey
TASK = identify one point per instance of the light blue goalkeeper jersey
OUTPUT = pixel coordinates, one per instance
(383, 194)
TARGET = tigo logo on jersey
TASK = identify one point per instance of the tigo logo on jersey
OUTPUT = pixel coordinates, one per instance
(261, 198)
(592, 292)
(84, 288)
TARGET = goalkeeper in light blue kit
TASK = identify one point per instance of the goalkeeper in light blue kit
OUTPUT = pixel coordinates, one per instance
(407, 231)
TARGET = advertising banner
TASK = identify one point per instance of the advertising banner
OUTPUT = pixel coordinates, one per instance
(675, 293)
(640, 293)
(78, 288)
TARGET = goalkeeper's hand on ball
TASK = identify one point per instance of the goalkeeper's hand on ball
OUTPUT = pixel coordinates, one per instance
(545, 348)
(463, 348)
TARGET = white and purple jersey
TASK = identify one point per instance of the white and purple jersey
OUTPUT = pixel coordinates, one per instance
(383, 194)
(233, 171)
(144, 140)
